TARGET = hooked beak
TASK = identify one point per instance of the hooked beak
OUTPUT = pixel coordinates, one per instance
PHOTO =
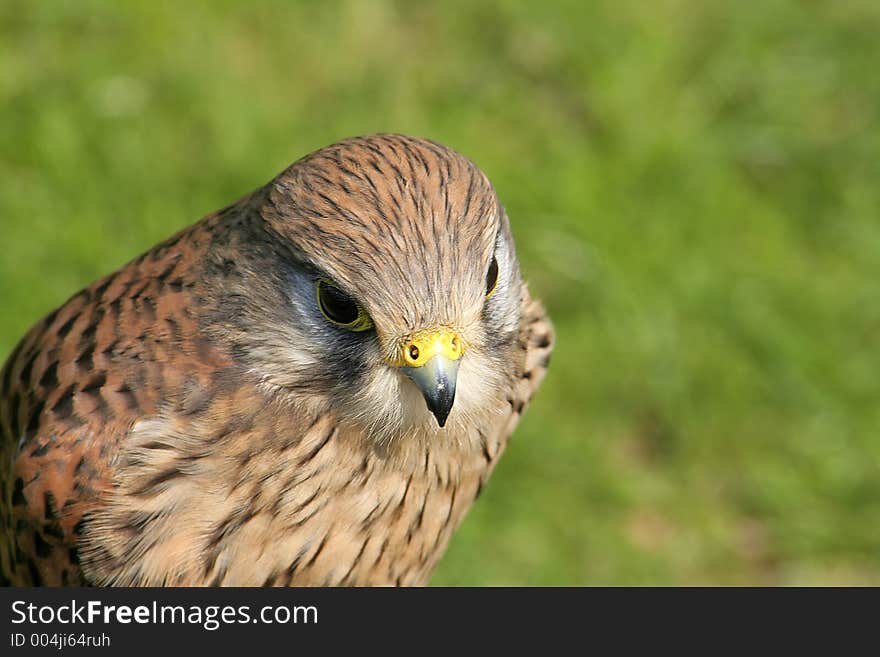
(431, 359)
(436, 380)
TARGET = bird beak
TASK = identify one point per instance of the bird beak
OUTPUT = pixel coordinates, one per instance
(436, 380)
(431, 358)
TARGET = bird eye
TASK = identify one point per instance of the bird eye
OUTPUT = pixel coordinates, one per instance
(341, 309)
(492, 277)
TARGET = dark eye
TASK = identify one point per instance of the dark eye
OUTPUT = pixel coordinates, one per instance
(492, 277)
(341, 309)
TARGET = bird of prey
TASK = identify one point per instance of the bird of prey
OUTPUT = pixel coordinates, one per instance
(308, 387)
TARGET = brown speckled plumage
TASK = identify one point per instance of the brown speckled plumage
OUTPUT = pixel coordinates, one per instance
(191, 419)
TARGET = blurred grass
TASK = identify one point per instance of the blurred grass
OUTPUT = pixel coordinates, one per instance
(694, 190)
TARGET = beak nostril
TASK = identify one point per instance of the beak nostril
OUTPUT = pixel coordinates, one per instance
(415, 350)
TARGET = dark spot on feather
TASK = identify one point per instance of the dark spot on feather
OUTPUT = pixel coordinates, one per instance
(64, 406)
(50, 376)
(18, 498)
(51, 317)
(99, 291)
(294, 565)
(36, 579)
(64, 329)
(308, 457)
(49, 510)
(41, 450)
(54, 530)
(158, 480)
(85, 361)
(137, 293)
(166, 272)
(149, 305)
(25, 376)
(94, 386)
(130, 398)
(41, 547)
(542, 341)
(317, 552)
(34, 419)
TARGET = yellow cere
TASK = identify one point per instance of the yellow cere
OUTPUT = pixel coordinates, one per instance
(423, 346)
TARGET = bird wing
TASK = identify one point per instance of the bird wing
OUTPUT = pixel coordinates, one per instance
(52, 411)
(536, 340)
(70, 394)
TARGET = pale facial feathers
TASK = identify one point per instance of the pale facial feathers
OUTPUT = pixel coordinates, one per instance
(408, 229)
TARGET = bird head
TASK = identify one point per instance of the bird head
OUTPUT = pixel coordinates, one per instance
(383, 284)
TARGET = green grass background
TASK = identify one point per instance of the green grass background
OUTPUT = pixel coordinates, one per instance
(694, 187)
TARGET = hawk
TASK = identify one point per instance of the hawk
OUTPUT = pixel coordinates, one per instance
(308, 387)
